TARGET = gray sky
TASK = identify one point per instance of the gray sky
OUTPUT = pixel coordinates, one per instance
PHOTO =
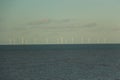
(59, 21)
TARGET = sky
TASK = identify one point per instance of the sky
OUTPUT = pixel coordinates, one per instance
(59, 21)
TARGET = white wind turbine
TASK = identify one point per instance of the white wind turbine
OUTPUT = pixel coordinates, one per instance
(98, 41)
(104, 40)
(61, 40)
(47, 41)
(82, 40)
(22, 40)
(88, 40)
(10, 41)
(72, 40)
(57, 41)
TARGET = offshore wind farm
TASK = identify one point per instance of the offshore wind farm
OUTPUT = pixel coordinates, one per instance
(59, 40)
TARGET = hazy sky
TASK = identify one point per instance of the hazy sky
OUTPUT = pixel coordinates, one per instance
(59, 21)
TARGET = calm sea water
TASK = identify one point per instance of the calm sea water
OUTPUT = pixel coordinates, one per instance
(58, 47)
(60, 62)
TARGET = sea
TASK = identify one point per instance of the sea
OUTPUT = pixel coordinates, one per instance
(60, 62)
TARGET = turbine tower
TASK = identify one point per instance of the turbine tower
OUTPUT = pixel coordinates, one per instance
(98, 41)
(10, 41)
(61, 39)
(104, 40)
(22, 40)
(35, 41)
(66, 41)
(88, 40)
(72, 40)
(57, 40)
(82, 40)
(47, 41)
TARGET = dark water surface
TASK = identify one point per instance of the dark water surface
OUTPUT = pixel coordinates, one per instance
(60, 62)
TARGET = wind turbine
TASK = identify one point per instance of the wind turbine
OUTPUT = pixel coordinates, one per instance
(104, 40)
(61, 39)
(98, 41)
(57, 40)
(82, 40)
(72, 40)
(88, 40)
(10, 41)
(47, 41)
(22, 40)
(35, 40)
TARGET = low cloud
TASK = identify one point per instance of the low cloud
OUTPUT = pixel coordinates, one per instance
(39, 22)
(48, 21)
(69, 26)
(90, 25)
